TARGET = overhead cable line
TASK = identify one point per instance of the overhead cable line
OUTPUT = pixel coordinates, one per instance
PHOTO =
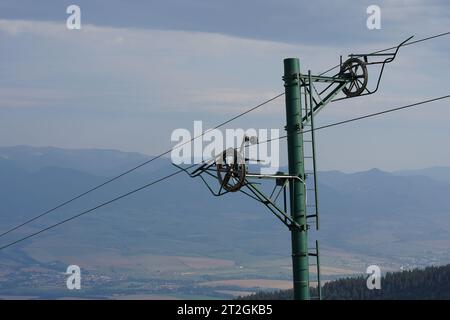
(391, 48)
(137, 167)
(362, 117)
(91, 209)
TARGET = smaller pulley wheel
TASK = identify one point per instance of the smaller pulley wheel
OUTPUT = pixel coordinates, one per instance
(356, 71)
(231, 170)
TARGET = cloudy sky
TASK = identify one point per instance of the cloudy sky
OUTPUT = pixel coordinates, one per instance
(137, 70)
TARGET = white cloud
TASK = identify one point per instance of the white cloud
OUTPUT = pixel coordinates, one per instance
(145, 81)
(150, 65)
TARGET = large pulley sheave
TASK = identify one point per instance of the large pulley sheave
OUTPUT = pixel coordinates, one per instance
(231, 170)
(355, 71)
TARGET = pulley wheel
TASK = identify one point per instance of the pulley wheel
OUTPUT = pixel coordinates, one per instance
(231, 170)
(356, 71)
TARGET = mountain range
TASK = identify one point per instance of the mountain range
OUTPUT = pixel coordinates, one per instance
(393, 219)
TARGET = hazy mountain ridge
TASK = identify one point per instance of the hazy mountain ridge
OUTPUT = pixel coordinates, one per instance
(438, 173)
(386, 218)
(103, 162)
(56, 174)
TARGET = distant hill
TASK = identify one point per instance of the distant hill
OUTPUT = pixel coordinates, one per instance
(428, 283)
(371, 217)
(100, 162)
(373, 212)
(437, 173)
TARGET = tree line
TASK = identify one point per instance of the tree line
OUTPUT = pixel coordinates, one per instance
(429, 283)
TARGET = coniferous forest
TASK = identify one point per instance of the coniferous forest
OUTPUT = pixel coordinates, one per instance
(429, 283)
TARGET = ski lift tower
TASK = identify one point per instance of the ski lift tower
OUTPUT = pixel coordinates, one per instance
(305, 96)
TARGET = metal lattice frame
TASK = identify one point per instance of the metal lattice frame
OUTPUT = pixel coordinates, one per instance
(352, 81)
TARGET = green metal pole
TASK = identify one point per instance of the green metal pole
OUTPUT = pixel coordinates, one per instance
(319, 287)
(297, 190)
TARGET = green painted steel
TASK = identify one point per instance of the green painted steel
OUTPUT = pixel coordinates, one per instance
(319, 285)
(297, 189)
(313, 141)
